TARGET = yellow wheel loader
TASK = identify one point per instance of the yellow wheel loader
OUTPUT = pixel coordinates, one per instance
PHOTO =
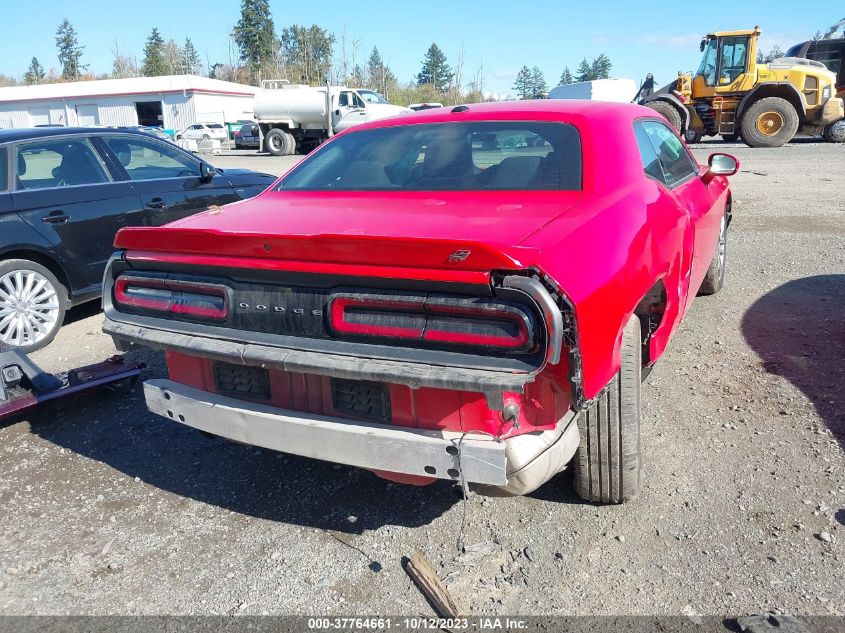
(734, 96)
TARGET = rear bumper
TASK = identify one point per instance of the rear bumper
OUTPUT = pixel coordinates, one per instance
(426, 453)
(516, 465)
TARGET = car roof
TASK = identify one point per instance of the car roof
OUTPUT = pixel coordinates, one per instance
(25, 134)
(579, 112)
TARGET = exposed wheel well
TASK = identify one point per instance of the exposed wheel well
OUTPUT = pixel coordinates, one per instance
(40, 258)
(650, 312)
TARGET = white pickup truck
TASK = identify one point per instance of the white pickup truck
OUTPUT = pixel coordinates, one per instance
(297, 118)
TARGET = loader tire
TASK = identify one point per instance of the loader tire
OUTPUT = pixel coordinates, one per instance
(669, 113)
(608, 463)
(835, 132)
(693, 136)
(769, 122)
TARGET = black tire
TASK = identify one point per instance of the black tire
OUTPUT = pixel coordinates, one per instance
(773, 112)
(608, 464)
(693, 136)
(277, 142)
(290, 147)
(669, 112)
(733, 137)
(835, 132)
(11, 336)
(206, 137)
(715, 277)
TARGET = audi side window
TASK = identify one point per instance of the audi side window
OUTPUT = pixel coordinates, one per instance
(651, 164)
(145, 159)
(674, 159)
(58, 163)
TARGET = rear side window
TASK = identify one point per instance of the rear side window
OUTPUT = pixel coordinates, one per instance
(215, 126)
(675, 162)
(482, 155)
(58, 163)
(146, 159)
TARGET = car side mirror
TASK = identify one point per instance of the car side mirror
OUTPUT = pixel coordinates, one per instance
(720, 164)
(207, 172)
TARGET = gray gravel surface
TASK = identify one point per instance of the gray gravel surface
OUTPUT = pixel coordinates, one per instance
(109, 509)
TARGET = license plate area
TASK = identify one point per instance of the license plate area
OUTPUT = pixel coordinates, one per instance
(241, 381)
(364, 400)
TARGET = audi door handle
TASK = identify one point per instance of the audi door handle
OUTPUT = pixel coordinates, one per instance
(156, 203)
(56, 217)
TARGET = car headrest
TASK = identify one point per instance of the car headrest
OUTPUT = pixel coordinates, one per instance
(516, 171)
(21, 165)
(122, 151)
(367, 173)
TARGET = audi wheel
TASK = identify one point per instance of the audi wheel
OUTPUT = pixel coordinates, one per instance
(32, 305)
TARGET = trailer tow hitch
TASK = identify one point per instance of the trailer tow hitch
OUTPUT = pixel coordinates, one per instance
(24, 385)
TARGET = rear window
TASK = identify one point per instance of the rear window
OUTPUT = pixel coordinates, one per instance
(446, 157)
(215, 126)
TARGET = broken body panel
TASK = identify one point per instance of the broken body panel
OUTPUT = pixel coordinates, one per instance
(561, 271)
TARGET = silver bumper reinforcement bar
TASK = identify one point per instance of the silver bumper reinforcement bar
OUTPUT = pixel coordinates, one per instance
(411, 451)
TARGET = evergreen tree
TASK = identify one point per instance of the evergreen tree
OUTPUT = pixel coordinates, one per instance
(774, 54)
(379, 76)
(566, 77)
(255, 34)
(192, 58)
(154, 63)
(358, 79)
(35, 72)
(584, 72)
(522, 84)
(539, 87)
(600, 68)
(70, 52)
(435, 70)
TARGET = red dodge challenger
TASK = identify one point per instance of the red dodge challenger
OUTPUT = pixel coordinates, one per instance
(465, 293)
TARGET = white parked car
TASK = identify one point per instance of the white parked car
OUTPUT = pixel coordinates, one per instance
(204, 132)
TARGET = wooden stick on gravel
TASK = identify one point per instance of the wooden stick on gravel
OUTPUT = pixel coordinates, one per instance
(424, 576)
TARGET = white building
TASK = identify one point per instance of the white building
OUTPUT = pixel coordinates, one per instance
(173, 102)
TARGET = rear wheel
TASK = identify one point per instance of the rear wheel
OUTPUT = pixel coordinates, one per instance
(835, 132)
(608, 464)
(206, 137)
(32, 305)
(668, 111)
(715, 277)
(693, 136)
(279, 142)
(769, 122)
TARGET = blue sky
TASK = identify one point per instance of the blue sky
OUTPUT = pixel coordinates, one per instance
(658, 37)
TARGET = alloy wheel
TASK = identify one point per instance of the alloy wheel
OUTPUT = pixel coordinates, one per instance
(29, 308)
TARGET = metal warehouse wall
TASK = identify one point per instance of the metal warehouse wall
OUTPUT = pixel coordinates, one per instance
(177, 109)
(212, 108)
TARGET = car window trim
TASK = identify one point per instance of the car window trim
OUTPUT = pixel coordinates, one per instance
(694, 174)
(151, 139)
(13, 184)
(10, 171)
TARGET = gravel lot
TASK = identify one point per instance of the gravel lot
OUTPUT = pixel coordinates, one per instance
(108, 509)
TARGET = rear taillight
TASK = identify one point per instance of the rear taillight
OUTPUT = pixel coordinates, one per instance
(439, 321)
(186, 298)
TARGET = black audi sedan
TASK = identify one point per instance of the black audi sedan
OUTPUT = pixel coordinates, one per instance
(65, 192)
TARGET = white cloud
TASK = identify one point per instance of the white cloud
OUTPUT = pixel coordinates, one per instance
(507, 73)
